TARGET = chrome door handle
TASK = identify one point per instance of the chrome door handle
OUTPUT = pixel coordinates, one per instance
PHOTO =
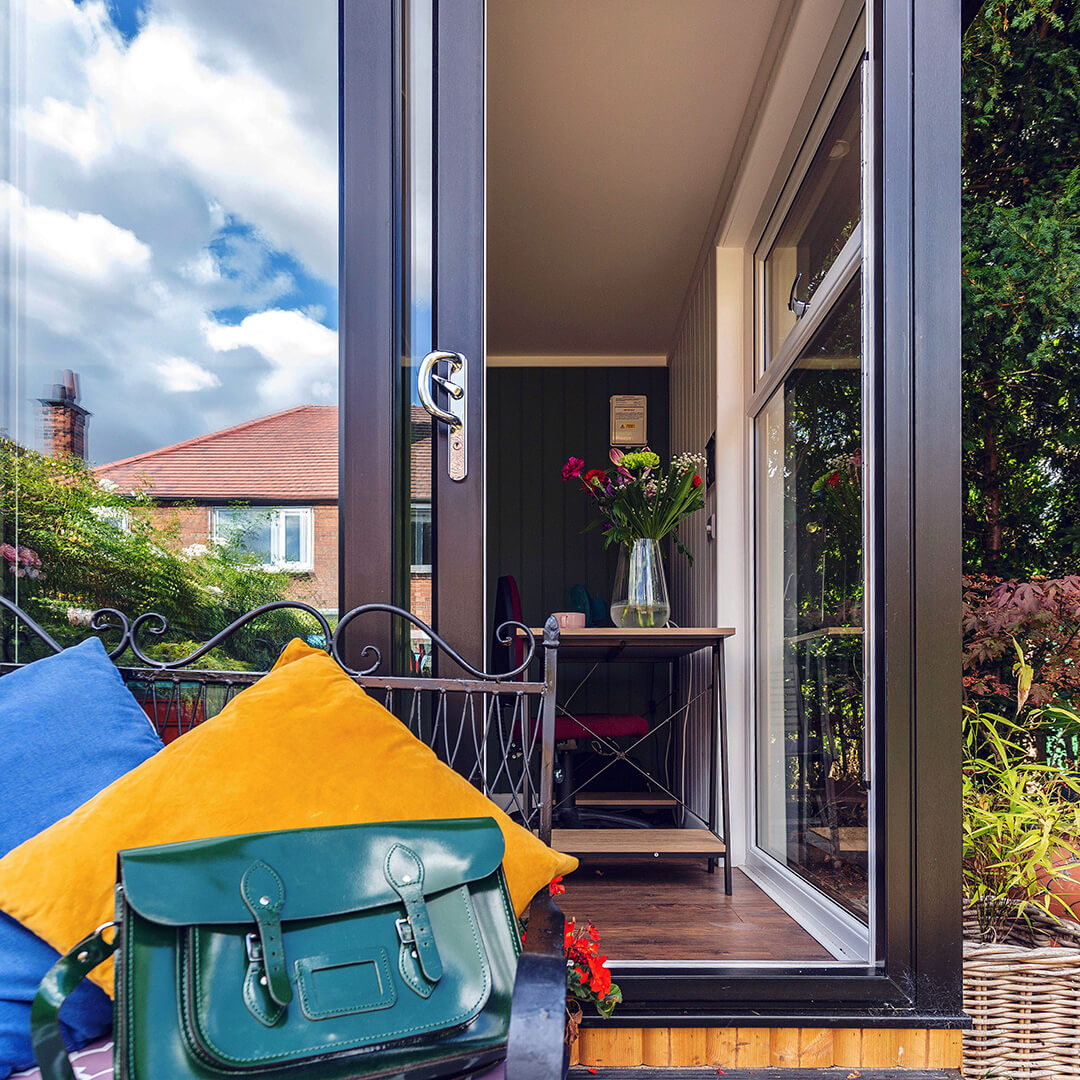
(453, 417)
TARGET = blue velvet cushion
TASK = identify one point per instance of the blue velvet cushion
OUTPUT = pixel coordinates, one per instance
(68, 728)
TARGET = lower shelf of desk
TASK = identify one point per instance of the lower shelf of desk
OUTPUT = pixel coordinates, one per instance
(638, 843)
(627, 800)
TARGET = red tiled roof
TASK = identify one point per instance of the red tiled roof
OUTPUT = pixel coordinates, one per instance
(291, 456)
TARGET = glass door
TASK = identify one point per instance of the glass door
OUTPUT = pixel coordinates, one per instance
(813, 810)
(169, 262)
(413, 86)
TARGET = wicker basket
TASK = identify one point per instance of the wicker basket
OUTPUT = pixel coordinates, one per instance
(1023, 996)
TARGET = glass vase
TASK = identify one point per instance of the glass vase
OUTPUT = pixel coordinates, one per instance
(640, 597)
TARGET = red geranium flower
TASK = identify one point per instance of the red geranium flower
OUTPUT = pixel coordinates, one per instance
(600, 977)
(833, 480)
(556, 886)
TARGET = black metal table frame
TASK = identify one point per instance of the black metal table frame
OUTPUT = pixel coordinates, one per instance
(718, 763)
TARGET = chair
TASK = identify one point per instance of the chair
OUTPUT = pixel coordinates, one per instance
(455, 717)
(570, 727)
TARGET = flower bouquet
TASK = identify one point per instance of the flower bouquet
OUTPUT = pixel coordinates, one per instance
(639, 504)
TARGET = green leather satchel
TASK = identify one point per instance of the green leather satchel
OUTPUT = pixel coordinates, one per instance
(334, 953)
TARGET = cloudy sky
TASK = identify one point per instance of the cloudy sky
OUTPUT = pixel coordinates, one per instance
(169, 198)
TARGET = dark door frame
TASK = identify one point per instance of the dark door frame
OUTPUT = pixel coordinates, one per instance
(916, 350)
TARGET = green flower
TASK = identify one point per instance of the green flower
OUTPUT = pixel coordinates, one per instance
(640, 459)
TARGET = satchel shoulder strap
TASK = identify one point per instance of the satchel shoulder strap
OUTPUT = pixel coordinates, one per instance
(59, 983)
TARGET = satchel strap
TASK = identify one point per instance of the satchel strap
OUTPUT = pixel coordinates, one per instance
(59, 983)
(405, 873)
(264, 894)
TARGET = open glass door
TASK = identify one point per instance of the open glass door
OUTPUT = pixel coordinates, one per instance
(414, 360)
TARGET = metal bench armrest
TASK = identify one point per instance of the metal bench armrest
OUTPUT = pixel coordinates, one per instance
(537, 1045)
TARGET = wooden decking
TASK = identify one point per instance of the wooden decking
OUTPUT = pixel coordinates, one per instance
(675, 910)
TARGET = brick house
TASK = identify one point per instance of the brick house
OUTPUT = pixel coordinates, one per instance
(272, 485)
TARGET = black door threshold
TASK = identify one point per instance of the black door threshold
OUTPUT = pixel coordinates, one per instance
(764, 1073)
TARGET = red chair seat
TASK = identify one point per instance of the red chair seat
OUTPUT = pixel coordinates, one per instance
(606, 725)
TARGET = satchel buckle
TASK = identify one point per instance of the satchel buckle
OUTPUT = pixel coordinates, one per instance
(254, 948)
(405, 930)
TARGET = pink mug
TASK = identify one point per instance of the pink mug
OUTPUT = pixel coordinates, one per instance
(570, 620)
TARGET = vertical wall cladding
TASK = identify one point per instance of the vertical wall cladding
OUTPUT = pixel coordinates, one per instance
(693, 377)
(536, 418)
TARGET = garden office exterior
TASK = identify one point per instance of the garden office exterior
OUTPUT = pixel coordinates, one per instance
(344, 285)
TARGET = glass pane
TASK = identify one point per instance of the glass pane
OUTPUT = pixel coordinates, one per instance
(414, 589)
(812, 798)
(168, 275)
(822, 217)
(293, 526)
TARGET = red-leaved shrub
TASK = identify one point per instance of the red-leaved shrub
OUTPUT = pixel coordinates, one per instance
(1043, 616)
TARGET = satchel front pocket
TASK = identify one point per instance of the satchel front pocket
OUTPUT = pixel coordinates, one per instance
(341, 987)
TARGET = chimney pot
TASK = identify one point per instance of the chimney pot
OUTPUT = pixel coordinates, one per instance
(64, 418)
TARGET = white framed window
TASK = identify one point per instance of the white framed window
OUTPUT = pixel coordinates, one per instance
(280, 537)
(117, 516)
(420, 515)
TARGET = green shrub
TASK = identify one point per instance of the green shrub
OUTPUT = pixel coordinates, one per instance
(64, 554)
(1018, 813)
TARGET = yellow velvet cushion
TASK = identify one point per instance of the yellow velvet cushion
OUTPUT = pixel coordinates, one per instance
(304, 746)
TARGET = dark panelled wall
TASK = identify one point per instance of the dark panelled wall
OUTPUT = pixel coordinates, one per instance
(537, 418)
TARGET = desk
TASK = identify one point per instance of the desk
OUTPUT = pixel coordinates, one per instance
(659, 645)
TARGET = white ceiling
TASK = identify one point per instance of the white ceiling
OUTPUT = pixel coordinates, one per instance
(610, 125)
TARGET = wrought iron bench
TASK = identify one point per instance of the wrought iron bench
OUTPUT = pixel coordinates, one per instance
(496, 731)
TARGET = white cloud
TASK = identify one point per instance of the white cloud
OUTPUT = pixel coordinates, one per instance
(227, 126)
(202, 269)
(78, 132)
(74, 244)
(182, 376)
(302, 353)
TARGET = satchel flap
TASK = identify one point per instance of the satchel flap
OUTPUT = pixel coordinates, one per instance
(325, 871)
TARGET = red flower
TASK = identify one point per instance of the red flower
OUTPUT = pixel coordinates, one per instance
(696, 481)
(600, 977)
(833, 480)
(593, 479)
(556, 887)
(572, 468)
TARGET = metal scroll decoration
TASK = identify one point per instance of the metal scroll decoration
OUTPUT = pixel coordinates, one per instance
(156, 626)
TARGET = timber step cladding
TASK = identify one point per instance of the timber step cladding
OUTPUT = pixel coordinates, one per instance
(608, 1049)
(833, 1073)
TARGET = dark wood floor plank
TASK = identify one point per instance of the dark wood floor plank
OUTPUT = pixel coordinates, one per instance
(677, 911)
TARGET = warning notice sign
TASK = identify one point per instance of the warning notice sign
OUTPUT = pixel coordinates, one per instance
(628, 420)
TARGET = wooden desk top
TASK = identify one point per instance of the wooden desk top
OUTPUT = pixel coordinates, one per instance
(660, 644)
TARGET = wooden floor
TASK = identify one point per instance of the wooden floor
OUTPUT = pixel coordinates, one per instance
(675, 910)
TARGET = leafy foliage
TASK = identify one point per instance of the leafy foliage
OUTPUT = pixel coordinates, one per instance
(56, 509)
(1041, 618)
(1018, 815)
(1021, 287)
